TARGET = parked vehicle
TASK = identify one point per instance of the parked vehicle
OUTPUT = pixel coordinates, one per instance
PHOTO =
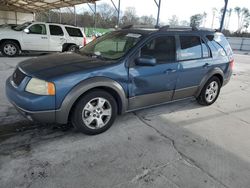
(122, 71)
(41, 37)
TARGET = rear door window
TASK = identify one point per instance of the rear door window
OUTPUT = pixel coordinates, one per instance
(55, 30)
(190, 48)
(74, 32)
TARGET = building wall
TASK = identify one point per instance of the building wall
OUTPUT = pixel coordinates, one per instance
(9, 17)
(239, 43)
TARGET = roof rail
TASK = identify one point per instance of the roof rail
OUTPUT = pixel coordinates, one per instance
(61, 23)
(184, 28)
(168, 27)
(139, 26)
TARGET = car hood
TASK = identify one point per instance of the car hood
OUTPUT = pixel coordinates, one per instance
(55, 65)
(7, 30)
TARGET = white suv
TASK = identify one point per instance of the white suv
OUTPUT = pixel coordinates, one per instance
(40, 36)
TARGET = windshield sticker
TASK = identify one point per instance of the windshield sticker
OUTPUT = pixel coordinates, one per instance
(133, 35)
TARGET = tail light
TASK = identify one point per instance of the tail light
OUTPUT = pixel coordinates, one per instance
(84, 41)
(231, 64)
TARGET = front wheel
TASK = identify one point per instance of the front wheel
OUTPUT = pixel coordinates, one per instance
(10, 49)
(95, 112)
(210, 91)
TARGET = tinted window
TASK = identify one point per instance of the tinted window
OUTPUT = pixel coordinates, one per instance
(74, 32)
(190, 47)
(161, 48)
(205, 50)
(56, 30)
(39, 29)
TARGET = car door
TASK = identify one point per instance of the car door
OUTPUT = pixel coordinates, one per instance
(36, 39)
(56, 38)
(195, 61)
(151, 85)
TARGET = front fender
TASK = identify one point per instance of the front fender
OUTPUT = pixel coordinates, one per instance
(63, 113)
(210, 74)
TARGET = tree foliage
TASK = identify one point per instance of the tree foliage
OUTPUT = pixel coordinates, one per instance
(173, 21)
(106, 17)
(196, 20)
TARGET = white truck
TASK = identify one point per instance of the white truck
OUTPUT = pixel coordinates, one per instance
(41, 37)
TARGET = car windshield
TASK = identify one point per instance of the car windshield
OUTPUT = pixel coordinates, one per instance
(22, 27)
(112, 46)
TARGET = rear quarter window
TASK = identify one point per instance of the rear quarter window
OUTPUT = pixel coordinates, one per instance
(74, 32)
(220, 42)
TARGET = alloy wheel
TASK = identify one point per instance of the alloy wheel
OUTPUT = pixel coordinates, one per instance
(10, 49)
(211, 91)
(97, 113)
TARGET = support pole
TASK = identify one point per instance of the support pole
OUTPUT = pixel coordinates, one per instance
(223, 16)
(118, 10)
(95, 16)
(158, 4)
(34, 16)
(16, 17)
(75, 15)
(94, 12)
(60, 15)
(49, 16)
(118, 16)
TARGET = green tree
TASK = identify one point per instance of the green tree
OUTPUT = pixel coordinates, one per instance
(237, 10)
(147, 20)
(229, 14)
(196, 20)
(130, 17)
(173, 21)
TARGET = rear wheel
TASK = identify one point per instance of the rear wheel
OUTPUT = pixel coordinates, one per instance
(95, 112)
(10, 48)
(72, 48)
(210, 91)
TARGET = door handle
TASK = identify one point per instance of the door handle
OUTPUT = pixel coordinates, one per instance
(169, 71)
(206, 65)
(44, 37)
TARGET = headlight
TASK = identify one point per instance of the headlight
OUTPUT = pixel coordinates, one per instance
(40, 87)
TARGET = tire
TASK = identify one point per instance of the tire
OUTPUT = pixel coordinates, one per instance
(72, 48)
(89, 118)
(10, 49)
(210, 92)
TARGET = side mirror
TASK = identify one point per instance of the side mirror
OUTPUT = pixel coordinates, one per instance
(26, 30)
(145, 61)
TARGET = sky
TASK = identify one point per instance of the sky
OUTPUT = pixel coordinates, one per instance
(183, 9)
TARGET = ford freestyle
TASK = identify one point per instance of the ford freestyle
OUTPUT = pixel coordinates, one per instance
(122, 71)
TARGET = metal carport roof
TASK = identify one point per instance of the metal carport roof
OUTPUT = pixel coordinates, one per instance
(32, 6)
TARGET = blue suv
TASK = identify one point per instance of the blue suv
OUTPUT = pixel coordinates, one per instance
(122, 71)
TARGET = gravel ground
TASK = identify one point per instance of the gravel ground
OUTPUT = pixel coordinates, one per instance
(177, 145)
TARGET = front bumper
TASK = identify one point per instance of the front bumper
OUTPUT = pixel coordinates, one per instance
(33, 107)
(39, 116)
